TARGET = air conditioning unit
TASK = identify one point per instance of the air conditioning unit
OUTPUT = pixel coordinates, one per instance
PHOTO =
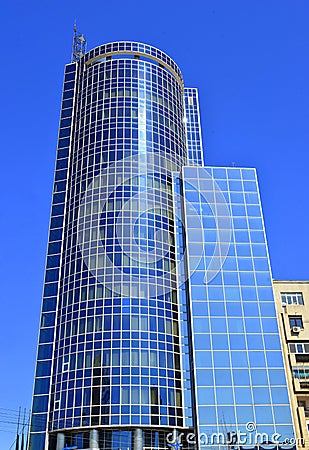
(296, 329)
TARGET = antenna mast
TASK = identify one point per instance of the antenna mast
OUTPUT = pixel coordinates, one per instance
(79, 45)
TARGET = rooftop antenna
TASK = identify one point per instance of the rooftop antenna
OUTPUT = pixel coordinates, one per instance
(79, 45)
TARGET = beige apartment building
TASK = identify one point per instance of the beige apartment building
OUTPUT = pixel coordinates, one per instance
(292, 301)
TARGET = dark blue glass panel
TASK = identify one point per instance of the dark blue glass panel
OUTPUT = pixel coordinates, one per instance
(46, 335)
(37, 441)
(40, 404)
(41, 386)
(45, 351)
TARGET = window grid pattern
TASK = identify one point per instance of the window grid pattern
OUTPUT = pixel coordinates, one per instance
(193, 127)
(133, 47)
(118, 357)
(42, 383)
(239, 372)
(292, 298)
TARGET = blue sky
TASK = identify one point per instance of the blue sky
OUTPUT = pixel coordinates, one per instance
(249, 60)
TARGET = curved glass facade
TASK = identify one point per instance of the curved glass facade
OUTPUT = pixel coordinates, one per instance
(117, 314)
(115, 359)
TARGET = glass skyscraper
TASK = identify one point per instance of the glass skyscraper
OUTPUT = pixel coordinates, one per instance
(158, 324)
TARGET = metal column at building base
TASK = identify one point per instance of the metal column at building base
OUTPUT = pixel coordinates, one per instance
(60, 441)
(94, 440)
(138, 439)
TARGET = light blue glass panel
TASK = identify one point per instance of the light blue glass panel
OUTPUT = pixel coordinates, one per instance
(224, 396)
(244, 349)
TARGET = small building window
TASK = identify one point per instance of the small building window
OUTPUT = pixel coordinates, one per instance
(190, 101)
(292, 298)
(296, 321)
(301, 351)
(66, 363)
(299, 347)
(302, 373)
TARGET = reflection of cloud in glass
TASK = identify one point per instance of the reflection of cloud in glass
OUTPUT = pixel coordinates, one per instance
(139, 227)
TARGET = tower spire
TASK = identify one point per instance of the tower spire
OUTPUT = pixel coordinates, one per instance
(79, 45)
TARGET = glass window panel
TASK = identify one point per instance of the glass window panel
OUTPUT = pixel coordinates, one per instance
(272, 342)
(215, 293)
(259, 377)
(259, 250)
(282, 414)
(286, 432)
(244, 414)
(235, 186)
(243, 396)
(264, 414)
(219, 341)
(253, 211)
(199, 309)
(46, 335)
(270, 325)
(45, 351)
(221, 358)
(232, 293)
(115, 357)
(257, 359)
(251, 309)
(274, 359)
(248, 294)
(261, 395)
(218, 325)
(224, 396)
(280, 395)
(41, 386)
(247, 279)
(255, 342)
(217, 309)
(40, 404)
(37, 440)
(233, 309)
(135, 395)
(201, 325)
(195, 234)
(230, 278)
(263, 278)
(241, 377)
(237, 342)
(204, 377)
(252, 325)
(207, 415)
(235, 325)
(265, 294)
(202, 341)
(206, 396)
(223, 377)
(229, 264)
(277, 376)
(203, 359)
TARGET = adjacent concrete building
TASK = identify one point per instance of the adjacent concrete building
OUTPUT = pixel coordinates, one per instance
(292, 300)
